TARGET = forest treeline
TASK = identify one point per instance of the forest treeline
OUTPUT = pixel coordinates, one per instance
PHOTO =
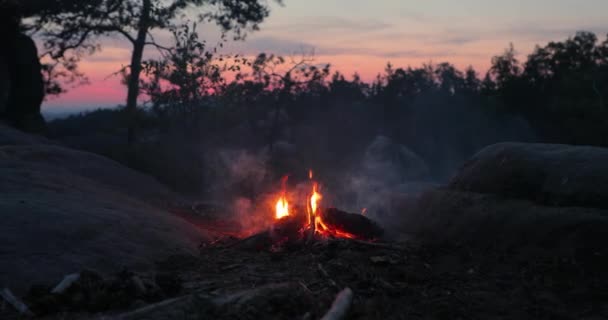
(554, 95)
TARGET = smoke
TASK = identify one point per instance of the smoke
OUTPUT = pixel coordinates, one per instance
(237, 179)
(356, 168)
(386, 172)
(247, 183)
(447, 130)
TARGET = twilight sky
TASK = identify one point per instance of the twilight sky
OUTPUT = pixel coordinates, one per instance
(363, 35)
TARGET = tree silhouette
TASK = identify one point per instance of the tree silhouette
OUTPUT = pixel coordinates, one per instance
(505, 67)
(287, 78)
(71, 28)
(181, 82)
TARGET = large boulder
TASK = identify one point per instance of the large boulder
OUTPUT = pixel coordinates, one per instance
(545, 173)
(490, 222)
(101, 170)
(11, 136)
(530, 198)
(63, 211)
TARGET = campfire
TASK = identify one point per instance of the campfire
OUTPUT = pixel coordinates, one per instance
(311, 220)
(289, 217)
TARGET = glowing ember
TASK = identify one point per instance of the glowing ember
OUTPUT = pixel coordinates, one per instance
(324, 230)
(282, 208)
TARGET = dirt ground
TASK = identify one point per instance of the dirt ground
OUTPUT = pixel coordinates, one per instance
(389, 281)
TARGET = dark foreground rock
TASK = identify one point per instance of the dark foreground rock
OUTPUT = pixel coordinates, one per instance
(12, 136)
(62, 211)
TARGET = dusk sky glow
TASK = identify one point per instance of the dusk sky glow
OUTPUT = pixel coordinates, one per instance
(363, 35)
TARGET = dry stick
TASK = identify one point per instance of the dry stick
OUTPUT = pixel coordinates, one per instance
(66, 283)
(15, 302)
(377, 244)
(326, 275)
(340, 306)
(139, 285)
(303, 285)
(144, 310)
(250, 238)
(248, 295)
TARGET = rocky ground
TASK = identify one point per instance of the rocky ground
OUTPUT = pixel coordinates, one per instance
(393, 281)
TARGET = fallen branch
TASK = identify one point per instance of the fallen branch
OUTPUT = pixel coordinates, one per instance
(377, 244)
(305, 287)
(326, 275)
(340, 307)
(15, 302)
(243, 297)
(257, 241)
(139, 285)
(150, 308)
(66, 283)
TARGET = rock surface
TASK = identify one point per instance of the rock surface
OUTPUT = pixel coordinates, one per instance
(10, 136)
(101, 170)
(545, 173)
(537, 198)
(63, 211)
(494, 222)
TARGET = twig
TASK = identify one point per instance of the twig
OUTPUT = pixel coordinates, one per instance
(303, 285)
(340, 306)
(150, 308)
(377, 244)
(253, 238)
(231, 267)
(66, 283)
(326, 275)
(119, 72)
(247, 295)
(139, 285)
(15, 302)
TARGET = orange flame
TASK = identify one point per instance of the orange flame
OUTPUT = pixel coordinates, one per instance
(314, 199)
(282, 208)
(315, 219)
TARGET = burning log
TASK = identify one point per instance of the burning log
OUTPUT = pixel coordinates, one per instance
(340, 306)
(355, 225)
(289, 226)
(259, 241)
(294, 230)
